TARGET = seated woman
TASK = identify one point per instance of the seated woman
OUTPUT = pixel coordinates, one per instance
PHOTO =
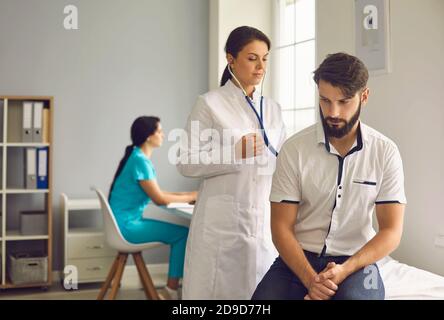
(133, 188)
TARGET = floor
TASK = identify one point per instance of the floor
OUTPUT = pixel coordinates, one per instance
(84, 292)
(57, 292)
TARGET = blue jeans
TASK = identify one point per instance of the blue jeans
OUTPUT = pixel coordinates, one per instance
(280, 283)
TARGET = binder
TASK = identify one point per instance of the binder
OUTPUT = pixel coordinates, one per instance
(30, 168)
(42, 168)
(27, 122)
(15, 119)
(37, 122)
(45, 126)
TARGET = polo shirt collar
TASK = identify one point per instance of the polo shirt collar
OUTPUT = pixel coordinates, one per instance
(357, 146)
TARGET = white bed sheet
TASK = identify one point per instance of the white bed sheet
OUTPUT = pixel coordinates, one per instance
(404, 282)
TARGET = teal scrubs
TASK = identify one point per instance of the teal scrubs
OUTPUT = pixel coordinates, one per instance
(128, 201)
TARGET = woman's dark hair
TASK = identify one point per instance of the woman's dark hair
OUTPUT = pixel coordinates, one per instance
(344, 71)
(141, 129)
(237, 40)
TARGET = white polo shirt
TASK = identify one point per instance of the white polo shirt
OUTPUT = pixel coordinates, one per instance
(337, 196)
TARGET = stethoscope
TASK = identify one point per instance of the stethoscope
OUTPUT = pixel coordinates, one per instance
(260, 118)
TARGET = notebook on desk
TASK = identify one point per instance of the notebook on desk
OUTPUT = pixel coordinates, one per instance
(180, 205)
(181, 209)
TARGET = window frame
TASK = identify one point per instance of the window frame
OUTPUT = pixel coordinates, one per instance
(278, 25)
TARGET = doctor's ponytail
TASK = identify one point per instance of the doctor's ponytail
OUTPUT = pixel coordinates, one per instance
(141, 129)
(225, 76)
(237, 40)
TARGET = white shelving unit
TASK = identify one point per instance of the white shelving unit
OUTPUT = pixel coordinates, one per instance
(15, 198)
(22, 191)
(19, 145)
(85, 247)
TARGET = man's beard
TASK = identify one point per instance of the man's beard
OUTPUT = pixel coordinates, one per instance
(339, 132)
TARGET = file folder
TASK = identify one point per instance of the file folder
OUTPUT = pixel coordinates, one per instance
(42, 168)
(37, 122)
(15, 121)
(27, 122)
(45, 126)
(30, 168)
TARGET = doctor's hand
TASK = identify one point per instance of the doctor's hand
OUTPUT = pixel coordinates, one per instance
(249, 146)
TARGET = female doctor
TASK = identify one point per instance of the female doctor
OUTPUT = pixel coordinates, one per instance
(229, 247)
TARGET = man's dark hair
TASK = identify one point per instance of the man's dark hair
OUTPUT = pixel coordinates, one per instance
(344, 71)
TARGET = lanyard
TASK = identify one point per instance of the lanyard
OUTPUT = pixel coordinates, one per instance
(261, 123)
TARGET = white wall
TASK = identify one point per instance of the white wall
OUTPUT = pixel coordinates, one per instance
(407, 106)
(226, 15)
(128, 58)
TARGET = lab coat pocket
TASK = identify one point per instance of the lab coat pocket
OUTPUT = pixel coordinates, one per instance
(221, 220)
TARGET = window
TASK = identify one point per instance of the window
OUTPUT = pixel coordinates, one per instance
(294, 58)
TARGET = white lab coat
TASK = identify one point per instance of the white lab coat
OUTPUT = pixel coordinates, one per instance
(229, 246)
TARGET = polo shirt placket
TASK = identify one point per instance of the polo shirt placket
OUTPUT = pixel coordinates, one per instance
(342, 164)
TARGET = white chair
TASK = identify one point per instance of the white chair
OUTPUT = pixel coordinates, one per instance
(116, 241)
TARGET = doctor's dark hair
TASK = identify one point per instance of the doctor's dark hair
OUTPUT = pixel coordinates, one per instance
(344, 71)
(237, 40)
(141, 129)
